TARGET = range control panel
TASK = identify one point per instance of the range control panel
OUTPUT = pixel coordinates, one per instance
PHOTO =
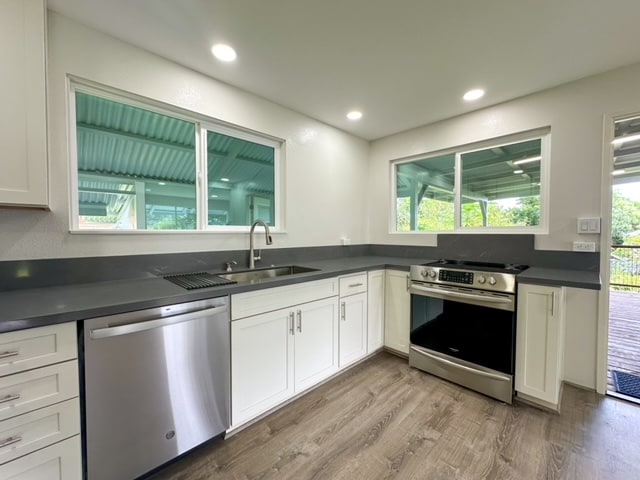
(455, 276)
(492, 281)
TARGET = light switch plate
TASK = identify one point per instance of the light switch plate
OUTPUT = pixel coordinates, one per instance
(589, 225)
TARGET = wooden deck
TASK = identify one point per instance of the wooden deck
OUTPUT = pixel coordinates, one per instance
(624, 333)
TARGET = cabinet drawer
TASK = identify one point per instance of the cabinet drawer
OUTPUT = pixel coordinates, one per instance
(271, 299)
(27, 391)
(61, 461)
(353, 284)
(36, 347)
(34, 430)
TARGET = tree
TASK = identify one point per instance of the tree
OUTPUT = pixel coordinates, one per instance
(625, 218)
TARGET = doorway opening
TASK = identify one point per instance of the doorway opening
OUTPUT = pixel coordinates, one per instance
(623, 369)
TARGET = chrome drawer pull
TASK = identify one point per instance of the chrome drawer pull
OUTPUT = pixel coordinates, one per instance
(354, 285)
(10, 441)
(9, 354)
(10, 397)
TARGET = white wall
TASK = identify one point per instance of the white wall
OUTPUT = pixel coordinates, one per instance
(575, 114)
(326, 169)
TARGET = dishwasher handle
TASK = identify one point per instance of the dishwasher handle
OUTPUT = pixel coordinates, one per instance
(127, 328)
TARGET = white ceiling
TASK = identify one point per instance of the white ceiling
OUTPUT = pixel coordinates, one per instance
(404, 63)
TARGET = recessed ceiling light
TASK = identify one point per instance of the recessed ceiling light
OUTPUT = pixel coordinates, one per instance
(354, 115)
(161, 183)
(518, 172)
(214, 196)
(223, 179)
(474, 94)
(223, 52)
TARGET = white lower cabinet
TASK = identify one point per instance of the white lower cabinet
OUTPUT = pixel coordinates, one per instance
(540, 344)
(278, 354)
(353, 328)
(375, 310)
(353, 318)
(39, 404)
(397, 308)
(60, 461)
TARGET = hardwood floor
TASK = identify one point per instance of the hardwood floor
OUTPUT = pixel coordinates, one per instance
(624, 333)
(384, 420)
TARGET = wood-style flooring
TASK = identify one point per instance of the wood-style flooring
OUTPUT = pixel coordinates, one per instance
(624, 333)
(384, 420)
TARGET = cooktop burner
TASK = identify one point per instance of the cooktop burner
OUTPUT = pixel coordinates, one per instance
(486, 266)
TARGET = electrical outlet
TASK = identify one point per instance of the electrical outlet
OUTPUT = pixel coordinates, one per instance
(584, 246)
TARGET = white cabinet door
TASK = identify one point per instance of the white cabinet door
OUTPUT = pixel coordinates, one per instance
(61, 461)
(397, 308)
(540, 343)
(316, 342)
(375, 311)
(353, 328)
(23, 125)
(261, 363)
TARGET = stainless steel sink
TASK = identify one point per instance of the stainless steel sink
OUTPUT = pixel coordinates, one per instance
(251, 276)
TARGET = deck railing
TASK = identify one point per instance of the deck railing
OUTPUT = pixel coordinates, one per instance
(625, 267)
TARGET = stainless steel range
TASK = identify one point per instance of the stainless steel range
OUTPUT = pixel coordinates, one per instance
(463, 323)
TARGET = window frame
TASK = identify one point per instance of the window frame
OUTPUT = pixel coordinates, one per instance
(543, 134)
(202, 124)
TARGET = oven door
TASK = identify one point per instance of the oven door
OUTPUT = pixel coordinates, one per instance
(466, 336)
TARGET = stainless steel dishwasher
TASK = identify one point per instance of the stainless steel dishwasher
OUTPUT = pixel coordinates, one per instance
(156, 385)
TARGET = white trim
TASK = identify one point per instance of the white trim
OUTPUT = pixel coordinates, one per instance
(602, 335)
(201, 124)
(543, 134)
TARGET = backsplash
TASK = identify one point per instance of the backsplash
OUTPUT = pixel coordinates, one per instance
(20, 274)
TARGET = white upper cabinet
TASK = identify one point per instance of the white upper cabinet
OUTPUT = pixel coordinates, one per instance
(23, 122)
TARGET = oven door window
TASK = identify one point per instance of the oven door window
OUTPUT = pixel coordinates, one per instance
(481, 335)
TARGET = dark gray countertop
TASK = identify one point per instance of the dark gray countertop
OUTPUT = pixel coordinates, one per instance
(21, 309)
(563, 278)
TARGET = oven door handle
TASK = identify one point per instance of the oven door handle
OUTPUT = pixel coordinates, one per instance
(485, 298)
(436, 358)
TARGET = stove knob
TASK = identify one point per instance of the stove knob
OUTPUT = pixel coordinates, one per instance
(481, 279)
(492, 280)
(432, 273)
(424, 272)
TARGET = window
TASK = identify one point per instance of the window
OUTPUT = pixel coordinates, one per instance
(140, 167)
(495, 185)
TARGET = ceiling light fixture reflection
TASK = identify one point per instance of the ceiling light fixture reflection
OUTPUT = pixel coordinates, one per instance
(625, 139)
(214, 196)
(474, 94)
(223, 52)
(354, 115)
(518, 172)
(161, 183)
(622, 171)
(224, 179)
(527, 160)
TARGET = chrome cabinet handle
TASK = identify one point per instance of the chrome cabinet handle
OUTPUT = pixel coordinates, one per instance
(343, 312)
(553, 304)
(354, 285)
(299, 313)
(10, 397)
(291, 321)
(10, 441)
(9, 354)
(408, 282)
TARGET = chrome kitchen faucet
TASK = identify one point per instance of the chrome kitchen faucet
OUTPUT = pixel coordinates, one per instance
(268, 241)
